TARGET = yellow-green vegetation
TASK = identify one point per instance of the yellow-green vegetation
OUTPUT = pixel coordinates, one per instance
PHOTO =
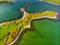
(11, 29)
(44, 14)
(53, 1)
(12, 35)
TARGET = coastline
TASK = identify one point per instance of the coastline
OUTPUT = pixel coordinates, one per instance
(28, 26)
(30, 21)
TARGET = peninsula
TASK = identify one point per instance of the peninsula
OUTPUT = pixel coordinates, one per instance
(11, 30)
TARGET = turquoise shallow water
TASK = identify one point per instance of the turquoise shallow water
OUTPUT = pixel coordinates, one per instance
(11, 12)
(42, 6)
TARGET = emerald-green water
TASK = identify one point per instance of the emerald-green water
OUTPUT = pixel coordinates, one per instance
(46, 32)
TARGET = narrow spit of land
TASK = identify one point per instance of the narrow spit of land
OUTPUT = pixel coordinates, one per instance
(13, 29)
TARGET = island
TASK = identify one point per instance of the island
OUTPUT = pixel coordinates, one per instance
(57, 2)
(12, 30)
(5, 1)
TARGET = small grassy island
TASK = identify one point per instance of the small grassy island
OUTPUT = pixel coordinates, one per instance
(10, 31)
(53, 1)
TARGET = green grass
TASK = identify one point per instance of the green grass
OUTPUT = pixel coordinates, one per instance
(3, 40)
(46, 32)
(4, 31)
